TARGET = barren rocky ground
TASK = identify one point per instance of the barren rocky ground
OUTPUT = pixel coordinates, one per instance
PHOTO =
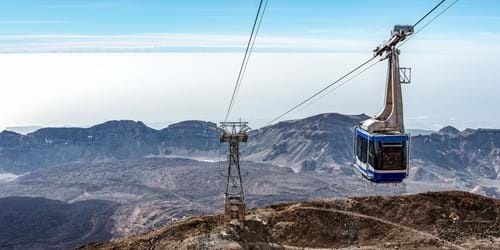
(436, 220)
(152, 192)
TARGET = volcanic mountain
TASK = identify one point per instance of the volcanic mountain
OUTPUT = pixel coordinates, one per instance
(321, 142)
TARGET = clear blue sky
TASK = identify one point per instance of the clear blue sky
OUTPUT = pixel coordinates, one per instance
(231, 16)
(312, 18)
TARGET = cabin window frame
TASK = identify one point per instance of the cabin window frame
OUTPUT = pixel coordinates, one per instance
(362, 148)
(385, 147)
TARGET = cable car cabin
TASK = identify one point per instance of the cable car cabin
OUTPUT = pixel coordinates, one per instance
(380, 143)
(381, 157)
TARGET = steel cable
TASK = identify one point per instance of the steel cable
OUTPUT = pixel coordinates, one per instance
(361, 65)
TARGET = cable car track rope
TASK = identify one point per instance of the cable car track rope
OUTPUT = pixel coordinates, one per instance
(340, 85)
(373, 64)
(248, 52)
(428, 13)
(427, 24)
(362, 64)
(321, 91)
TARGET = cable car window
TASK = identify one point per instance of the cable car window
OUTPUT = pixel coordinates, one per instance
(375, 156)
(358, 146)
(392, 156)
(405, 155)
(372, 157)
(364, 148)
(361, 148)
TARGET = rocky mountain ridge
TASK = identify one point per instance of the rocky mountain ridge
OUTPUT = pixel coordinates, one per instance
(113, 140)
(318, 143)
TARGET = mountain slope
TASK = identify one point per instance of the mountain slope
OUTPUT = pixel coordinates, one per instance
(473, 152)
(317, 142)
(451, 220)
(37, 223)
(190, 138)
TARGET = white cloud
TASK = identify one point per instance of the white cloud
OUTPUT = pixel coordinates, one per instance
(161, 42)
(165, 41)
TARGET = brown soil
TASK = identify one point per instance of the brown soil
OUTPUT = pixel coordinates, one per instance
(440, 220)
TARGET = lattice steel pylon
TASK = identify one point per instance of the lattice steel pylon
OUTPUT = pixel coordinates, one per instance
(234, 199)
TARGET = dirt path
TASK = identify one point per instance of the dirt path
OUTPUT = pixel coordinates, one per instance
(354, 214)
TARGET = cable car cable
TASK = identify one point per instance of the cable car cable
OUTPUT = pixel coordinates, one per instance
(350, 72)
(428, 13)
(321, 91)
(249, 54)
(369, 67)
(340, 85)
(250, 43)
(427, 24)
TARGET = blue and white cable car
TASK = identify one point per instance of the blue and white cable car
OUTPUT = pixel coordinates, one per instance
(380, 144)
(381, 157)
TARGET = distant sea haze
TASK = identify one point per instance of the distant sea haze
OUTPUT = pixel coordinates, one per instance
(157, 87)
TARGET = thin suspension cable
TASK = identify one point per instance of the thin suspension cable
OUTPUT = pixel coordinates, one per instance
(428, 13)
(249, 54)
(340, 85)
(243, 62)
(369, 67)
(427, 24)
(350, 72)
(240, 73)
(352, 78)
(321, 91)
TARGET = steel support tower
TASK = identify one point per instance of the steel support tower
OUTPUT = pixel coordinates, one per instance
(234, 199)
